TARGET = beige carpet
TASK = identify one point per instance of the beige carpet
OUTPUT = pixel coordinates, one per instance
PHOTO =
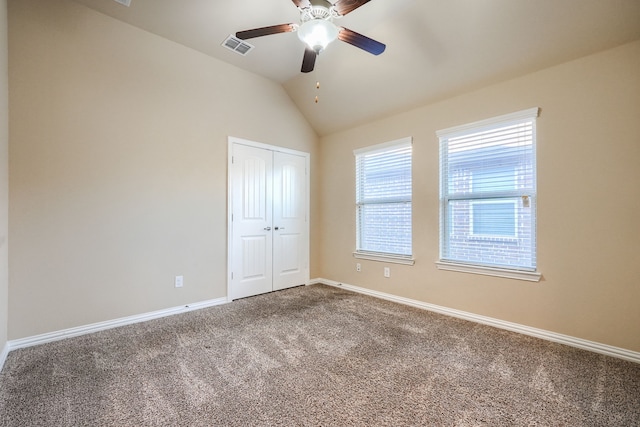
(314, 356)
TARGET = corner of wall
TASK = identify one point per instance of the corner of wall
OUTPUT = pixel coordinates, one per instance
(4, 181)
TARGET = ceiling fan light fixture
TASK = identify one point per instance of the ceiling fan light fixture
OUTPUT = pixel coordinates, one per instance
(318, 33)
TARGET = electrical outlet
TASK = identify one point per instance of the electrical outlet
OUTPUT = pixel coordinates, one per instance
(358, 267)
(387, 272)
(179, 281)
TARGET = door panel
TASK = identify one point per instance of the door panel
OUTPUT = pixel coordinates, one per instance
(290, 249)
(290, 238)
(254, 255)
(251, 174)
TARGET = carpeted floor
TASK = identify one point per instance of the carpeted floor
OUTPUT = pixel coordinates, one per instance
(314, 356)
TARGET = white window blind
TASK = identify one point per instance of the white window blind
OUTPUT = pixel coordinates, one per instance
(383, 199)
(488, 192)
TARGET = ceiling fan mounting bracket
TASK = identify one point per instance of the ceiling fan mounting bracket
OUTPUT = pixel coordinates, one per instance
(318, 9)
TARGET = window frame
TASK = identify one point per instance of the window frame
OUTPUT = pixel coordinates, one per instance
(372, 255)
(486, 268)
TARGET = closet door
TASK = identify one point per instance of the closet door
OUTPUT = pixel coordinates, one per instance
(290, 233)
(252, 237)
(269, 234)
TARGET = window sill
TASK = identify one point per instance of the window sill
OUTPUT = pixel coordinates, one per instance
(531, 276)
(394, 259)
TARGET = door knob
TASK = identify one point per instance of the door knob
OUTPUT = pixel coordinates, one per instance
(268, 228)
(279, 228)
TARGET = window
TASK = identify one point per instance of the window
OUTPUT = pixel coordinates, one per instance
(488, 196)
(383, 202)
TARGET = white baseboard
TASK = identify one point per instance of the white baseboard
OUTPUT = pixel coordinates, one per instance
(514, 327)
(595, 347)
(109, 324)
(3, 355)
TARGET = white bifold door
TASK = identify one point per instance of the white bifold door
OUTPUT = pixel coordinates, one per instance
(269, 233)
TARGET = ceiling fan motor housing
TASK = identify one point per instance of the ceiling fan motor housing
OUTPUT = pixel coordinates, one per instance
(319, 9)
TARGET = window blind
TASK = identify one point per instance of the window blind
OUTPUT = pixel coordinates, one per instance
(383, 199)
(488, 192)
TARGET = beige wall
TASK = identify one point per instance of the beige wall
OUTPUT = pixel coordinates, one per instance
(588, 204)
(4, 175)
(118, 165)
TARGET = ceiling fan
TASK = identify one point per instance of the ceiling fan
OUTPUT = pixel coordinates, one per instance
(317, 30)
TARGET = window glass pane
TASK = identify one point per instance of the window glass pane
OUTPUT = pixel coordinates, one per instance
(493, 219)
(493, 179)
(386, 228)
(386, 180)
(507, 242)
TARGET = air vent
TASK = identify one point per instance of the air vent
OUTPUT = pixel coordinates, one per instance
(124, 2)
(240, 47)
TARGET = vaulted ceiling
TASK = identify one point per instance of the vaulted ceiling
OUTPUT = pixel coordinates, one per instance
(435, 48)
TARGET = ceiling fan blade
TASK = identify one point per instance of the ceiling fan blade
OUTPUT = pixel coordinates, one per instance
(301, 3)
(345, 6)
(363, 42)
(265, 31)
(309, 60)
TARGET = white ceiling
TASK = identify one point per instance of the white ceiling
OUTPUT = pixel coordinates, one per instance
(435, 48)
